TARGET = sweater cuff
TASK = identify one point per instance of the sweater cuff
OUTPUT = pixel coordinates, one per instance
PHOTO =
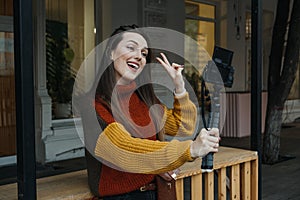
(189, 155)
(178, 95)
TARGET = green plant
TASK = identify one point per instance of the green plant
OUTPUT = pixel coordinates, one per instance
(60, 78)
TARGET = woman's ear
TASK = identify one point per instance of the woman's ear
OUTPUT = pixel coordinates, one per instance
(112, 56)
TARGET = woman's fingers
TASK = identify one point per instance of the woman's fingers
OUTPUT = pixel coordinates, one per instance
(177, 66)
(215, 132)
(165, 59)
(165, 62)
(211, 136)
(207, 141)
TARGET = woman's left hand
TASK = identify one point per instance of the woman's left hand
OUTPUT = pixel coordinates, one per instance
(174, 71)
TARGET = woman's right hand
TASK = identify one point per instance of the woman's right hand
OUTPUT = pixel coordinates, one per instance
(175, 72)
(207, 141)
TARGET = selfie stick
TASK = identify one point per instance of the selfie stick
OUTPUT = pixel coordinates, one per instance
(213, 122)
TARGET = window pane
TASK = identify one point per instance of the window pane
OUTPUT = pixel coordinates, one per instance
(6, 7)
(248, 26)
(207, 33)
(203, 32)
(192, 9)
(6, 53)
(199, 9)
(200, 26)
(207, 10)
(7, 95)
(69, 38)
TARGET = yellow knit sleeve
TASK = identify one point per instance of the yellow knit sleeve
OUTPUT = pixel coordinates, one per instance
(181, 120)
(136, 155)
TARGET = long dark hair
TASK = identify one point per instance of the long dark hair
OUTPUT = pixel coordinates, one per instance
(107, 81)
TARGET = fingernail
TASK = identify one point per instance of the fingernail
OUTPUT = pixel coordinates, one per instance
(180, 66)
(174, 175)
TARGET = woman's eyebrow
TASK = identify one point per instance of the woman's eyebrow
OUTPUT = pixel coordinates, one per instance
(135, 42)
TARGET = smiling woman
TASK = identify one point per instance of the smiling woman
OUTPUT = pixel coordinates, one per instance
(124, 160)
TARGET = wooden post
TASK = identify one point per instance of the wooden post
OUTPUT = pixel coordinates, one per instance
(209, 186)
(222, 186)
(196, 187)
(235, 182)
(179, 189)
(254, 180)
(246, 179)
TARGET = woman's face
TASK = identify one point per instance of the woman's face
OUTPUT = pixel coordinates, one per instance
(129, 57)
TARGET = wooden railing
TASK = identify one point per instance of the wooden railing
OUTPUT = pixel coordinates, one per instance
(235, 172)
(235, 176)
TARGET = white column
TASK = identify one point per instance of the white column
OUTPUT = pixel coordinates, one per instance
(43, 112)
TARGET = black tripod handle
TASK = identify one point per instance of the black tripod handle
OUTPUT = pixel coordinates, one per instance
(213, 121)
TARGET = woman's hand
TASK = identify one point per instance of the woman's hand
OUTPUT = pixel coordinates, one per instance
(174, 71)
(207, 141)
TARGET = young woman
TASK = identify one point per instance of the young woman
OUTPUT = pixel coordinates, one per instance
(132, 118)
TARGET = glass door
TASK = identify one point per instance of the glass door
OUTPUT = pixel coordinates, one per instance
(7, 87)
(7, 96)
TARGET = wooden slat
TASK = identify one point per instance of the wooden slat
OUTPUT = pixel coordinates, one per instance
(235, 182)
(246, 180)
(209, 186)
(180, 189)
(196, 187)
(254, 179)
(222, 184)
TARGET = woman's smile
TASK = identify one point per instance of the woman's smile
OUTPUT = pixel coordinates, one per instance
(133, 65)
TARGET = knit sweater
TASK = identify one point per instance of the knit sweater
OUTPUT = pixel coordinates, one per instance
(131, 160)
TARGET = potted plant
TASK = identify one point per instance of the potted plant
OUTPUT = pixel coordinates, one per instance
(60, 77)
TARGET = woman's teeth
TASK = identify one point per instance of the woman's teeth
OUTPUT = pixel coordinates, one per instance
(133, 65)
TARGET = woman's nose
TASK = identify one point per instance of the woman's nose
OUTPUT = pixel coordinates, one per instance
(138, 54)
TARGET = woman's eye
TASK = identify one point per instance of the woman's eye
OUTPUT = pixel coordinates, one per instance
(131, 48)
(145, 54)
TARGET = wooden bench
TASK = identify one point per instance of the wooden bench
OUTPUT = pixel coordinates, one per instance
(236, 170)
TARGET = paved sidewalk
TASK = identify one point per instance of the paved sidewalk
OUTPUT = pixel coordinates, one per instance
(280, 181)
